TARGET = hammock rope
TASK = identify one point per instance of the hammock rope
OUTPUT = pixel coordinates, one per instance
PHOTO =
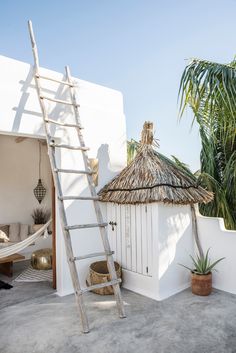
(14, 248)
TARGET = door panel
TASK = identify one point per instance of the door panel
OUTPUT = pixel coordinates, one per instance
(139, 238)
(144, 239)
(128, 238)
(149, 239)
(131, 237)
(118, 233)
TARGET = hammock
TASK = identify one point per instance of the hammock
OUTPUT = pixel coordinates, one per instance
(12, 249)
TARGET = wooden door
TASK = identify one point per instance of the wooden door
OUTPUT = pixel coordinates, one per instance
(131, 236)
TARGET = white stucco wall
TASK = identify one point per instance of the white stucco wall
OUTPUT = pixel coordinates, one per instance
(175, 242)
(222, 243)
(102, 116)
(155, 235)
(18, 178)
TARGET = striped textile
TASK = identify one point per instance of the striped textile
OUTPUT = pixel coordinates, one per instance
(32, 275)
(17, 247)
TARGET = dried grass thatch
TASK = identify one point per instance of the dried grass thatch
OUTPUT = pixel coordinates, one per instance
(151, 177)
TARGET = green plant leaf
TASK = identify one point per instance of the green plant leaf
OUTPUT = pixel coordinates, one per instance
(202, 265)
(210, 90)
(210, 267)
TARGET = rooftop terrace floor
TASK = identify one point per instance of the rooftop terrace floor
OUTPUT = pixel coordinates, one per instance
(35, 320)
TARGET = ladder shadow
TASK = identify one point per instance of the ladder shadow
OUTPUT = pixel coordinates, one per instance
(86, 212)
(25, 99)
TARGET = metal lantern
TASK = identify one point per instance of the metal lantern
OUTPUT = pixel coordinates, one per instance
(40, 190)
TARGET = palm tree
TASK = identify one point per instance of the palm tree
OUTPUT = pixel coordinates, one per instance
(210, 90)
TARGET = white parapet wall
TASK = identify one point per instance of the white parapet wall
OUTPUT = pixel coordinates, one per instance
(102, 116)
(222, 243)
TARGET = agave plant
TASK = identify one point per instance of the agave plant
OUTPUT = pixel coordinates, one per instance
(210, 90)
(202, 265)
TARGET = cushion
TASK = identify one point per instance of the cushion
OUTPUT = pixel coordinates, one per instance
(24, 231)
(14, 232)
(4, 233)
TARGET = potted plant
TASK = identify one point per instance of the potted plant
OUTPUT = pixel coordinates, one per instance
(201, 274)
(40, 217)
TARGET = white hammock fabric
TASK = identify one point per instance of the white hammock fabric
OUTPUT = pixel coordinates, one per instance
(12, 249)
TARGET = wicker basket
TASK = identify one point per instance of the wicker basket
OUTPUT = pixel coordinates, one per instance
(98, 273)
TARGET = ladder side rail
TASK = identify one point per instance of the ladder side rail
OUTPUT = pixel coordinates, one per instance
(103, 231)
(52, 158)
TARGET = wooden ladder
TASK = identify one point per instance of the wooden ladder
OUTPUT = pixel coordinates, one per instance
(52, 146)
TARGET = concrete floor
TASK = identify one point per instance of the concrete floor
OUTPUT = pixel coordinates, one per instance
(21, 292)
(41, 322)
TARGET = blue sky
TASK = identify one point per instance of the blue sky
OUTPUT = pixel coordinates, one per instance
(138, 47)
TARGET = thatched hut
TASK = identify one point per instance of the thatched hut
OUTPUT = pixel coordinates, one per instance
(149, 209)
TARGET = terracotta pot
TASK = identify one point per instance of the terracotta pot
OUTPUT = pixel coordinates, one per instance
(201, 284)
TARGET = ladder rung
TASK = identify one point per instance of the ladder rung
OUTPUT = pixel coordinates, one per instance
(58, 101)
(94, 198)
(55, 80)
(74, 171)
(77, 258)
(83, 226)
(100, 285)
(63, 124)
(53, 144)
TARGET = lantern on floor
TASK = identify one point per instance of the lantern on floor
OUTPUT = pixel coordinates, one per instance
(39, 190)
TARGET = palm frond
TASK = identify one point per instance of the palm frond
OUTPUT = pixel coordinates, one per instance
(132, 148)
(210, 90)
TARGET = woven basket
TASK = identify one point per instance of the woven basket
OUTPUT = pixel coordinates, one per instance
(98, 273)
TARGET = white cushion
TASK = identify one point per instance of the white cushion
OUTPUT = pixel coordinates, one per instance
(14, 232)
(24, 231)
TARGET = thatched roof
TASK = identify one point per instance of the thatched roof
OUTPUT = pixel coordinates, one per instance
(151, 177)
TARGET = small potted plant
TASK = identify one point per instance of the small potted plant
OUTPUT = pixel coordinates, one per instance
(40, 217)
(201, 274)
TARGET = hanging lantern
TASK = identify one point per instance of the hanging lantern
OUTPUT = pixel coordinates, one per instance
(39, 191)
